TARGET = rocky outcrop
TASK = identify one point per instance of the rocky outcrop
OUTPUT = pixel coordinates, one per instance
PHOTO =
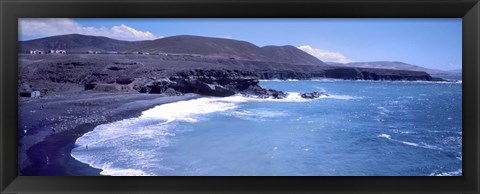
(219, 83)
(348, 73)
(224, 82)
(257, 91)
(312, 95)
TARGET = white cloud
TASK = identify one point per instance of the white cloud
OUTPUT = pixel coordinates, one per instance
(59, 26)
(325, 55)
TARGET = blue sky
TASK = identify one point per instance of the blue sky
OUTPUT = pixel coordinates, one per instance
(432, 43)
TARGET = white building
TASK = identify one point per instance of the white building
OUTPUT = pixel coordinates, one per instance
(32, 94)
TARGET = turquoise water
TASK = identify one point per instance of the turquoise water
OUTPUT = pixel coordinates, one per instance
(364, 128)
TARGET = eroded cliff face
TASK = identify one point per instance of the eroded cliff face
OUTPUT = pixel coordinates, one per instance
(377, 74)
(219, 83)
(223, 83)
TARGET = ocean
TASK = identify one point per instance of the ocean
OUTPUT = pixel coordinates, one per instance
(363, 128)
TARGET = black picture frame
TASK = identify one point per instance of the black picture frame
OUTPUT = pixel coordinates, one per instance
(11, 10)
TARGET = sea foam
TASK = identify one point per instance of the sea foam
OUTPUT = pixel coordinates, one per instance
(108, 170)
(186, 110)
(453, 173)
(421, 145)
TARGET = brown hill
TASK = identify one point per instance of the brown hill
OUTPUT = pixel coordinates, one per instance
(75, 43)
(179, 45)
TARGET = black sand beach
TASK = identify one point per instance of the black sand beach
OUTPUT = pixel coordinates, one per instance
(53, 123)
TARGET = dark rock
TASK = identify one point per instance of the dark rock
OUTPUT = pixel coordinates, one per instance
(349, 73)
(172, 92)
(144, 90)
(312, 95)
(260, 92)
(116, 68)
(90, 86)
(201, 87)
(344, 73)
(211, 82)
(124, 81)
(157, 87)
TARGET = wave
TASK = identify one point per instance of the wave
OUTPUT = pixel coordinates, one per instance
(260, 113)
(409, 143)
(291, 97)
(404, 132)
(453, 173)
(421, 144)
(186, 110)
(108, 170)
(382, 110)
(343, 97)
(459, 156)
(446, 131)
(119, 129)
(385, 136)
(257, 115)
(114, 140)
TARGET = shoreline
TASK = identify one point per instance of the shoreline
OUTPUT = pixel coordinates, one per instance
(40, 143)
(58, 110)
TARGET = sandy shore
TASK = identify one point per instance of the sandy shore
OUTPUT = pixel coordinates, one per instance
(53, 123)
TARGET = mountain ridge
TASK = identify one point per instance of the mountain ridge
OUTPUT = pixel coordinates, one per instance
(180, 44)
(74, 43)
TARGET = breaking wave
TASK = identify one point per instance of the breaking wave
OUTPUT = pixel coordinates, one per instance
(453, 173)
(421, 145)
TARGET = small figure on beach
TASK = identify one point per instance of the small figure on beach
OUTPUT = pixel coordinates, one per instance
(53, 130)
(46, 158)
(86, 146)
(25, 131)
(41, 107)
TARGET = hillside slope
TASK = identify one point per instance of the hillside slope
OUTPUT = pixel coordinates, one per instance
(179, 45)
(75, 43)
